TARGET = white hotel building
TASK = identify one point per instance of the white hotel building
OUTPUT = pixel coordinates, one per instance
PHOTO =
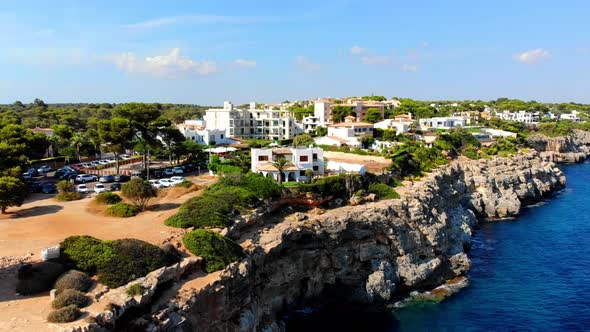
(268, 123)
(300, 160)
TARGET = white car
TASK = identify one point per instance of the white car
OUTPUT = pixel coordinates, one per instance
(168, 172)
(82, 189)
(125, 156)
(165, 183)
(99, 188)
(155, 183)
(83, 178)
(177, 179)
(44, 169)
(103, 162)
(95, 163)
(111, 160)
(87, 165)
(178, 170)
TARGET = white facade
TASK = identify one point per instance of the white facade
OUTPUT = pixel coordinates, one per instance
(300, 160)
(196, 131)
(442, 123)
(520, 116)
(498, 132)
(323, 107)
(345, 168)
(573, 116)
(309, 124)
(268, 123)
(391, 124)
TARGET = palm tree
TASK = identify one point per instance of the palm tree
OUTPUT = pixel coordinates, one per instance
(280, 164)
(78, 139)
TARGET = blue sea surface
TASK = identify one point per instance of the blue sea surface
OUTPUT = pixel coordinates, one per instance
(528, 274)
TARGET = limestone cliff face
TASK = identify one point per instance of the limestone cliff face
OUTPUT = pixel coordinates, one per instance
(570, 149)
(373, 252)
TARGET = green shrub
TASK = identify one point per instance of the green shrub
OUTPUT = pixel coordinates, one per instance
(107, 198)
(37, 277)
(72, 279)
(139, 191)
(132, 259)
(135, 289)
(68, 196)
(64, 186)
(64, 315)
(86, 253)
(228, 169)
(70, 297)
(185, 184)
(382, 191)
(329, 186)
(122, 210)
(216, 250)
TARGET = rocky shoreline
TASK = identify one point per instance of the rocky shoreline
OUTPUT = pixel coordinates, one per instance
(372, 254)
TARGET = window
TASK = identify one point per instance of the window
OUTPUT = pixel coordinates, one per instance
(262, 158)
(303, 158)
(315, 156)
(316, 168)
(302, 173)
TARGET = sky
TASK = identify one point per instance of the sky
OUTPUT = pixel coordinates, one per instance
(206, 52)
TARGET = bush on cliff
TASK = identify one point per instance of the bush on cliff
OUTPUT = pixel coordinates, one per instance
(37, 277)
(72, 279)
(70, 297)
(64, 315)
(115, 262)
(382, 191)
(216, 250)
(107, 198)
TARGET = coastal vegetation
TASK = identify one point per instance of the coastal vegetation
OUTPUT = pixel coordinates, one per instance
(216, 250)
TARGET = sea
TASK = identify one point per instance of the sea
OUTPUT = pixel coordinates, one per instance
(531, 273)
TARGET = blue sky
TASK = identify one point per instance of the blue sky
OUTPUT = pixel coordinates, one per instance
(205, 52)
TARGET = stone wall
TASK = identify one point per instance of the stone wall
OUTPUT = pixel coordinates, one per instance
(371, 253)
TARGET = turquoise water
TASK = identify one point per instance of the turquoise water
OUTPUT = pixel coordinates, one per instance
(528, 274)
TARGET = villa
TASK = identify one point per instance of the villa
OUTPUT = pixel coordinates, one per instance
(300, 160)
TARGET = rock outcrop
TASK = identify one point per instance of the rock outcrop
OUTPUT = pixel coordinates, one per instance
(371, 253)
(569, 149)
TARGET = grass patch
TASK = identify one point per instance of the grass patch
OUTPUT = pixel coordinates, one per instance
(68, 196)
(107, 198)
(122, 210)
(135, 289)
(382, 191)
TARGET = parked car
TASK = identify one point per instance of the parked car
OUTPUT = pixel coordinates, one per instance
(49, 188)
(78, 167)
(155, 183)
(168, 172)
(69, 169)
(95, 163)
(27, 176)
(137, 174)
(87, 165)
(82, 189)
(111, 160)
(99, 188)
(107, 179)
(83, 178)
(44, 169)
(103, 162)
(125, 156)
(35, 187)
(157, 174)
(165, 183)
(116, 187)
(178, 170)
(33, 171)
(177, 179)
(69, 175)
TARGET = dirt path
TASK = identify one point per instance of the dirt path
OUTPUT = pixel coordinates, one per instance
(42, 222)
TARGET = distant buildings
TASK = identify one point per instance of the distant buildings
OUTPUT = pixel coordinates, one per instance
(401, 124)
(323, 107)
(519, 116)
(346, 133)
(573, 116)
(442, 123)
(196, 131)
(300, 160)
(267, 123)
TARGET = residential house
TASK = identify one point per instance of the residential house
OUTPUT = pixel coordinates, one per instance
(401, 123)
(442, 123)
(196, 131)
(267, 123)
(323, 107)
(345, 168)
(300, 160)
(520, 116)
(573, 116)
(347, 133)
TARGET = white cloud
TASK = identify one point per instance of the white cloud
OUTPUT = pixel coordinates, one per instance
(532, 57)
(245, 63)
(357, 50)
(409, 68)
(204, 19)
(305, 64)
(171, 65)
(424, 44)
(375, 59)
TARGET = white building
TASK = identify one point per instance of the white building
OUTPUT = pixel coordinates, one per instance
(401, 123)
(309, 124)
(267, 123)
(573, 116)
(498, 133)
(323, 107)
(442, 123)
(300, 160)
(345, 168)
(195, 130)
(520, 116)
(346, 133)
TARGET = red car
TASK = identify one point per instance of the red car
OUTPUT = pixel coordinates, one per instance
(77, 167)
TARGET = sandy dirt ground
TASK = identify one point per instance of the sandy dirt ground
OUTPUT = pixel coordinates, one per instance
(42, 222)
(373, 164)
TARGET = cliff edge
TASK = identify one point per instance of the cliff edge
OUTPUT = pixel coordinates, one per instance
(371, 253)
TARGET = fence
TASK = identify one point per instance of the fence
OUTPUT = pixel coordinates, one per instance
(111, 170)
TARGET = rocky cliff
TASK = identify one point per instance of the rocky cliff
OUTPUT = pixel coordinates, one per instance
(570, 149)
(370, 253)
